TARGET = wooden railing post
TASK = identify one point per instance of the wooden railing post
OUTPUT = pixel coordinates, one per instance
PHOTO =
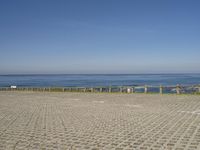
(120, 89)
(145, 89)
(109, 90)
(100, 90)
(177, 89)
(161, 89)
(92, 90)
(133, 90)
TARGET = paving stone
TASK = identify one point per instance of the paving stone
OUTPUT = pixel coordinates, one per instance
(92, 121)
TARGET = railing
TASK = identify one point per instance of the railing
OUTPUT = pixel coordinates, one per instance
(195, 89)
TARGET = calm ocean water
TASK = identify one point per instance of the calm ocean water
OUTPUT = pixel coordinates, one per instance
(98, 80)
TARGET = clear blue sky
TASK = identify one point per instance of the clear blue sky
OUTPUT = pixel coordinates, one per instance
(99, 36)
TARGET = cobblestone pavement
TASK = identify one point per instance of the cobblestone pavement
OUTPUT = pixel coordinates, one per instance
(81, 121)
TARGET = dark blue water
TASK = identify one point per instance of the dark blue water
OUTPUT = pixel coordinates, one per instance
(98, 80)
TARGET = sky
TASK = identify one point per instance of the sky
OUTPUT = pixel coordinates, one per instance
(99, 36)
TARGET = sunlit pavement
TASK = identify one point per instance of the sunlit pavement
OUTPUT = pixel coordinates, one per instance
(42, 120)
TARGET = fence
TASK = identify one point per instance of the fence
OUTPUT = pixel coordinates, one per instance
(195, 89)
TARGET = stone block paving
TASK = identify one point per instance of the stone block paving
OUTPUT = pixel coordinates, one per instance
(92, 121)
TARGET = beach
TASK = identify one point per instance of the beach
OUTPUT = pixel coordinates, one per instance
(96, 121)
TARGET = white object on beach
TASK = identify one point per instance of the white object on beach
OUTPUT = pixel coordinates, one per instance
(128, 90)
(13, 86)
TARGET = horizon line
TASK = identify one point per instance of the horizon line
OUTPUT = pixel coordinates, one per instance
(93, 74)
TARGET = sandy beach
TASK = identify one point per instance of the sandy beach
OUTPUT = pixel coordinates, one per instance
(78, 121)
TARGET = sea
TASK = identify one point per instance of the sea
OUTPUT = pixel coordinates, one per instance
(95, 80)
